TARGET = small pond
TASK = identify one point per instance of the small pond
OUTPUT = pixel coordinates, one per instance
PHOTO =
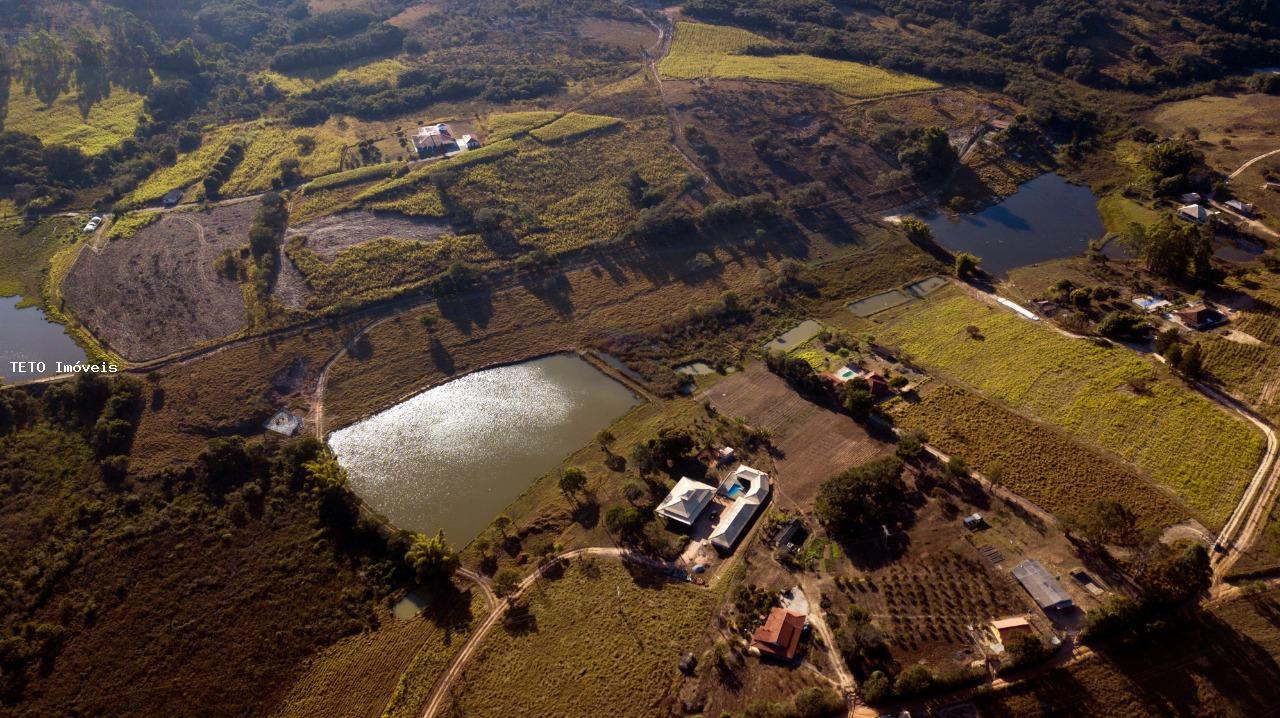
(1048, 218)
(25, 335)
(453, 457)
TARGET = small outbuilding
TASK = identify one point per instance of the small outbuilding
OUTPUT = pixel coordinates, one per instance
(779, 637)
(1042, 586)
(284, 423)
(173, 197)
(1008, 630)
(792, 536)
(1242, 208)
(686, 501)
(1191, 198)
(1273, 186)
(973, 521)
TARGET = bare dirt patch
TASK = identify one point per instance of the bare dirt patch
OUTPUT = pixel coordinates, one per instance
(627, 35)
(330, 235)
(801, 139)
(157, 292)
(813, 442)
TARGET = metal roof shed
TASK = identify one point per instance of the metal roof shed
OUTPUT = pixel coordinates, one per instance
(1042, 586)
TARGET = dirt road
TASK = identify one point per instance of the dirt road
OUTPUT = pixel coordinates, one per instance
(1249, 164)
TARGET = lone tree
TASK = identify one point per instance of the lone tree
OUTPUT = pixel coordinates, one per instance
(503, 523)
(432, 559)
(505, 582)
(572, 480)
(966, 264)
(623, 520)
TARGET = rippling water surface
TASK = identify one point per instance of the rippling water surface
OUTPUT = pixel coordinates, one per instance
(455, 456)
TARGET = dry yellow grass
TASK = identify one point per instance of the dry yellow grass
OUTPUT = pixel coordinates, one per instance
(388, 669)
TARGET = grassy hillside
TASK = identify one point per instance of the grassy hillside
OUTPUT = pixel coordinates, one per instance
(25, 252)
(1180, 438)
(108, 122)
(713, 51)
(386, 672)
(596, 641)
(1034, 460)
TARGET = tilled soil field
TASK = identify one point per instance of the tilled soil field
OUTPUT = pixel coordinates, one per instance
(815, 442)
(157, 292)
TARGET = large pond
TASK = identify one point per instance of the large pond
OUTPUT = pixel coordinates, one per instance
(1048, 218)
(453, 457)
(26, 336)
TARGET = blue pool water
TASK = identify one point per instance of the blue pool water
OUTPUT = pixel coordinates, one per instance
(735, 490)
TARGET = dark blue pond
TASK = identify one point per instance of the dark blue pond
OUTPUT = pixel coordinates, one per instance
(1048, 218)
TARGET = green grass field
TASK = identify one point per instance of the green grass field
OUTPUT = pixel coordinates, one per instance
(503, 125)
(711, 51)
(108, 122)
(599, 643)
(1056, 473)
(127, 225)
(1184, 441)
(25, 253)
(367, 73)
(1118, 212)
(190, 168)
(1251, 372)
(589, 202)
(573, 125)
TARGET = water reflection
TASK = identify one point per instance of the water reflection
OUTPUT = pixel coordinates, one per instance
(455, 456)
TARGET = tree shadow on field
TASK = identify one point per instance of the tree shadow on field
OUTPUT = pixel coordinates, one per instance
(441, 356)
(553, 289)
(1170, 668)
(468, 310)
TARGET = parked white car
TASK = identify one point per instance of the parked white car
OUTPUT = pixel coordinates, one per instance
(93, 224)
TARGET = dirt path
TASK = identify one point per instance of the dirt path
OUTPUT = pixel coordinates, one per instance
(666, 32)
(1249, 164)
(1250, 516)
(1252, 224)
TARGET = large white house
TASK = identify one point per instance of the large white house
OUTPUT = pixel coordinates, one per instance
(686, 501)
(435, 140)
(749, 488)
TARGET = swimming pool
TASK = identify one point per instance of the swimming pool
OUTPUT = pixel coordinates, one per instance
(734, 490)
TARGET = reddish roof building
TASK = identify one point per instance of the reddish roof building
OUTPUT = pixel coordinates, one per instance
(779, 637)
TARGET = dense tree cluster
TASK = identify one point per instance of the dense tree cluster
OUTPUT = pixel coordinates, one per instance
(1174, 248)
(1169, 577)
(376, 40)
(862, 496)
(419, 87)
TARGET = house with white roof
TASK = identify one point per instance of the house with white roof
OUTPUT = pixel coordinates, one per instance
(685, 502)
(749, 488)
(435, 139)
(1195, 213)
